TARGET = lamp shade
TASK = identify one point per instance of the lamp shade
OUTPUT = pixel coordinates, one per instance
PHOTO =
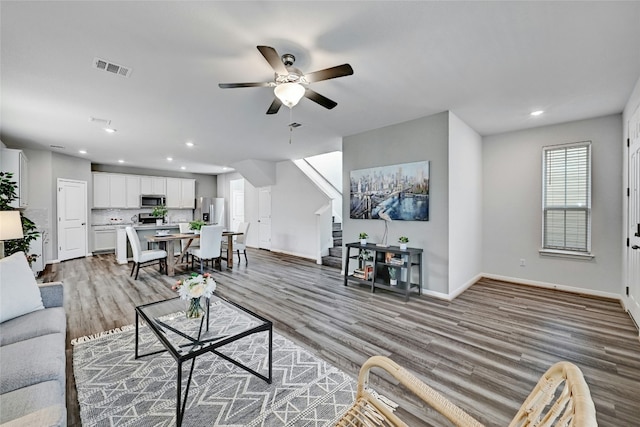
(10, 225)
(289, 93)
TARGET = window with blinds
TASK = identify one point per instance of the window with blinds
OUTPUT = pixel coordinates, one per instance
(566, 199)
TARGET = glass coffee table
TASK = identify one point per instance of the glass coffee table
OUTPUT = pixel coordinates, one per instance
(185, 339)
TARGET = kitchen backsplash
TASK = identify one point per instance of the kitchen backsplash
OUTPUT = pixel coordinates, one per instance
(128, 216)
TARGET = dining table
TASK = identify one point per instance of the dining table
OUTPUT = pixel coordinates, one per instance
(170, 239)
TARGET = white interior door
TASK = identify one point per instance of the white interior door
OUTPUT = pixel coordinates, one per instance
(264, 220)
(237, 208)
(72, 219)
(632, 301)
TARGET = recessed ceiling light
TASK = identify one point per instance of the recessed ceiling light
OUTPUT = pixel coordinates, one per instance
(169, 159)
(189, 144)
(183, 167)
(82, 151)
(120, 161)
(537, 113)
(109, 130)
(224, 168)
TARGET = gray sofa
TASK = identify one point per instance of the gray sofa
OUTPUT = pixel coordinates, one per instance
(32, 364)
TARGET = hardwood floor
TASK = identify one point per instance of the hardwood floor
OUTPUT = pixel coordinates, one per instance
(485, 350)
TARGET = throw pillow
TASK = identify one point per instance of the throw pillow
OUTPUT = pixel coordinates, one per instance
(19, 292)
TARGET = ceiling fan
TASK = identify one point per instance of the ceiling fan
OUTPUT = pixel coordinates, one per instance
(290, 84)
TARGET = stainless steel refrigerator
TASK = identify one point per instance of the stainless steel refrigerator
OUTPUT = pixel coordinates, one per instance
(210, 210)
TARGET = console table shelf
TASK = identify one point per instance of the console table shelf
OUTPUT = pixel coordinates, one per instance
(382, 264)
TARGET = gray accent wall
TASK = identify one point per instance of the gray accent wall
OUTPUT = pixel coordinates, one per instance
(417, 140)
(512, 205)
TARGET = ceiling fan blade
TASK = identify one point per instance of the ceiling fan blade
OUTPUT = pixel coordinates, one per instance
(329, 73)
(319, 99)
(234, 85)
(273, 59)
(275, 106)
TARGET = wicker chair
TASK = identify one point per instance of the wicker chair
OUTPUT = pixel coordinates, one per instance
(547, 405)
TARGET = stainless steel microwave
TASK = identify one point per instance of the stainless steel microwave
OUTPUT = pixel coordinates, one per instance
(151, 200)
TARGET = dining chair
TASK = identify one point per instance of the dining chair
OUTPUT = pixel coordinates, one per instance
(240, 243)
(210, 246)
(144, 258)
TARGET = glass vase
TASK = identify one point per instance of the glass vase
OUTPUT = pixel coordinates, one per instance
(194, 308)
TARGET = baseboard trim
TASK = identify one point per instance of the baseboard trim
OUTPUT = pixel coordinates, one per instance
(309, 257)
(565, 288)
(435, 294)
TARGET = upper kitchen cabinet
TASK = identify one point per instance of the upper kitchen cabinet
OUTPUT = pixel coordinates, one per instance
(153, 185)
(109, 190)
(133, 191)
(181, 193)
(16, 162)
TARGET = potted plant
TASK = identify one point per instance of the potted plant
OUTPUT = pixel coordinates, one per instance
(363, 238)
(196, 225)
(392, 276)
(29, 230)
(363, 257)
(403, 240)
(159, 213)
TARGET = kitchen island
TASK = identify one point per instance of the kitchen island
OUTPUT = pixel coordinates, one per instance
(123, 249)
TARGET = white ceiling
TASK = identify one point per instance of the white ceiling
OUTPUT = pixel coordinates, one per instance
(491, 63)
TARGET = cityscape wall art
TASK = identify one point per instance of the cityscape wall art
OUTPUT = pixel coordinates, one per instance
(398, 192)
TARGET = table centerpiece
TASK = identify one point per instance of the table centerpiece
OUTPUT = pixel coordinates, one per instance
(194, 289)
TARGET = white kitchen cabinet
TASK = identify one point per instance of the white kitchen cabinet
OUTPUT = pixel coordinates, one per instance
(109, 190)
(16, 162)
(173, 193)
(133, 191)
(181, 193)
(188, 194)
(101, 191)
(117, 191)
(104, 239)
(153, 185)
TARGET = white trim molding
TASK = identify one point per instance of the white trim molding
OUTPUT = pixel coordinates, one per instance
(555, 286)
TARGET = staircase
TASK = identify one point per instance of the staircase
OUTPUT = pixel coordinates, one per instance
(334, 259)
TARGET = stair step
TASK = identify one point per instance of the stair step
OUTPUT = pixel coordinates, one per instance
(337, 226)
(331, 261)
(337, 242)
(337, 233)
(336, 251)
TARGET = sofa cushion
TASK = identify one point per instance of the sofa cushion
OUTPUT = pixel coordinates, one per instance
(17, 405)
(34, 324)
(19, 293)
(32, 361)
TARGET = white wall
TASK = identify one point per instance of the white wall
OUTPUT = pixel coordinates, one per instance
(465, 205)
(42, 201)
(417, 140)
(512, 203)
(294, 201)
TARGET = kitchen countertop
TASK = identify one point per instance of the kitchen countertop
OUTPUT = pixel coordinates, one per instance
(155, 227)
(137, 226)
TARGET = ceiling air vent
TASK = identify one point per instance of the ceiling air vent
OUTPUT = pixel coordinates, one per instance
(110, 67)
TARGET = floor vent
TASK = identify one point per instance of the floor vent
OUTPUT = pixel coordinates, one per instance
(110, 67)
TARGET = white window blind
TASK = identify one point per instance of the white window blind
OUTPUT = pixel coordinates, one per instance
(567, 197)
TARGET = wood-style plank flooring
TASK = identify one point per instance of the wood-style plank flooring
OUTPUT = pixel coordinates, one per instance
(485, 350)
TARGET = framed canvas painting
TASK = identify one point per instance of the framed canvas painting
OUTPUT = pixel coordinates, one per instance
(396, 192)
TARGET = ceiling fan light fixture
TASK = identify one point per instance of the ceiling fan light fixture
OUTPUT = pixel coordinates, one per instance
(289, 93)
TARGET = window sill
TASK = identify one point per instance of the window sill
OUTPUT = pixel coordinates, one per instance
(566, 254)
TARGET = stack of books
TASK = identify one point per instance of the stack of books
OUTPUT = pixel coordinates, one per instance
(363, 273)
(396, 261)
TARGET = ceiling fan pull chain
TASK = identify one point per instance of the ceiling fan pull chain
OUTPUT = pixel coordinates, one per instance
(290, 124)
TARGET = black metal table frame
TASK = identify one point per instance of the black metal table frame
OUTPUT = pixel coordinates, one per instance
(181, 402)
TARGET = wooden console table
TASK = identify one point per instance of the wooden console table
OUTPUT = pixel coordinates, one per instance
(387, 261)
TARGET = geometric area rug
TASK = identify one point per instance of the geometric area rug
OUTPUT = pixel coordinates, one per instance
(115, 389)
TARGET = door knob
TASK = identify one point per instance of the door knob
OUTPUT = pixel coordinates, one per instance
(635, 247)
